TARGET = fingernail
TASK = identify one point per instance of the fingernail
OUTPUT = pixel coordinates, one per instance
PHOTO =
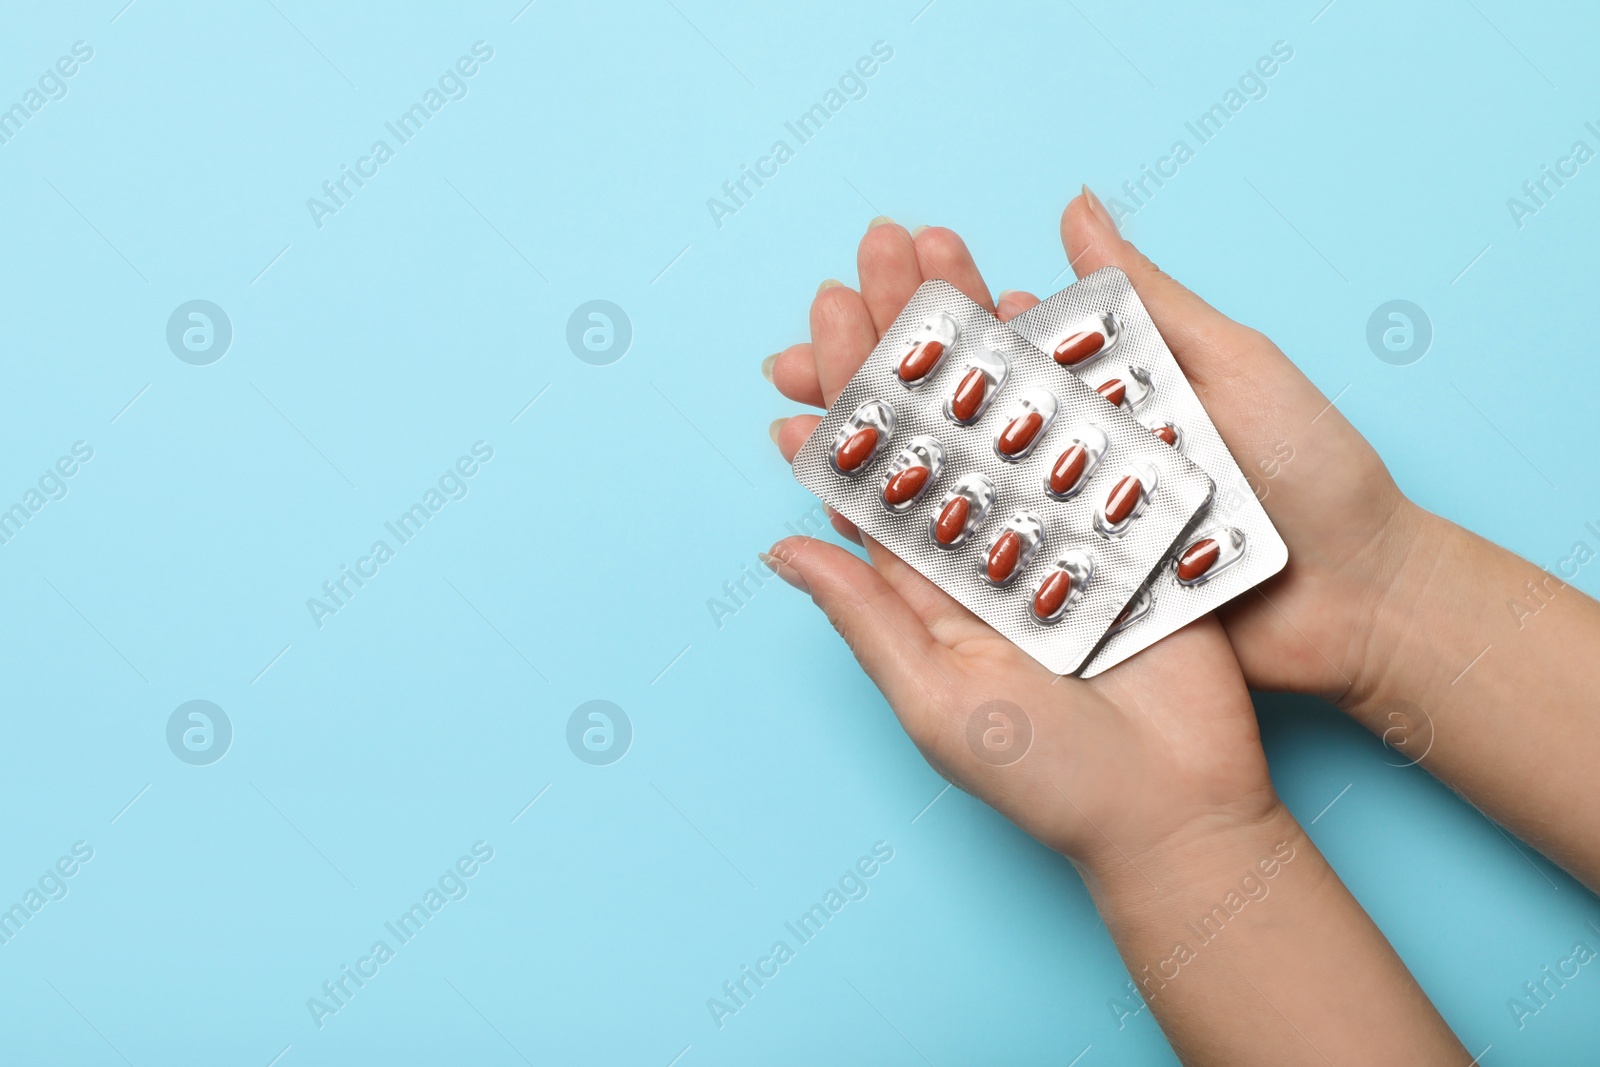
(775, 429)
(880, 220)
(786, 572)
(829, 283)
(767, 365)
(1099, 209)
(1003, 294)
(918, 230)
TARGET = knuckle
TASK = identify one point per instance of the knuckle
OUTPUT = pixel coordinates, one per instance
(1152, 272)
(847, 624)
(1249, 336)
(832, 307)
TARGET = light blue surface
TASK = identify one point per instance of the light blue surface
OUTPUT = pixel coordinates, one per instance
(372, 352)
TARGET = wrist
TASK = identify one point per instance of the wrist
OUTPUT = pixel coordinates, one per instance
(1168, 906)
(1209, 854)
(1426, 623)
(1401, 609)
(1246, 928)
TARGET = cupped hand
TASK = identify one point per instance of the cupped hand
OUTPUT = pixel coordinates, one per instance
(1163, 748)
(1350, 530)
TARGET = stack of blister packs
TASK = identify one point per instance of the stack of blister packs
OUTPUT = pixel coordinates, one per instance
(1055, 474)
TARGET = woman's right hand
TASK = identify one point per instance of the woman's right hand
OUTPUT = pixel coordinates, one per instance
(1352, 534)
(1425, 633)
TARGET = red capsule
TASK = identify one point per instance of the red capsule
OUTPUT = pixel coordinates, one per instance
(920, 360)
(968, 397)
(952, 521)
(1113, 391)
(1198, 558)
(1123, 499)
(1004, 555)
(906, 484)
(1069, 469)
(1020, 434)
(1079, 347)
(857, 449)
(1167, 433)
(1052, 594)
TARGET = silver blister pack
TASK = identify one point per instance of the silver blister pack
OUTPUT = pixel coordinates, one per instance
(1233, 546)
(1001, 477)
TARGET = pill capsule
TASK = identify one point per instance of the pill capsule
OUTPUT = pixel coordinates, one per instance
(1198, 558)
(1069, 468)
(910, 472)
(1167, 433)
(857, 449)
(1052, 594)
(905, 485)
(1004, 555)
(1020, 433)
(968, 397)
(1027, 419)
(918, 362)
(1079, 347)
(1124, 498)
(952, 521)
(1114, 391)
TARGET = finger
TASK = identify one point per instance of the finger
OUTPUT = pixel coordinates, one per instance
(886, 636)
(943, 615)
(790, 433)
(842, 336)
(889, 270)
(1013, 303)
(944, 255)
(794, 372)
(1206, 342)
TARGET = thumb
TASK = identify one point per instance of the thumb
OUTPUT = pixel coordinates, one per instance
(888, 638)
(1207, 343)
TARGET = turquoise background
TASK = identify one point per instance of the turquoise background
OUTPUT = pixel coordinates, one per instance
(425, 315)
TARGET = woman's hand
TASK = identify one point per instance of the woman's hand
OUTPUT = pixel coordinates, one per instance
(1351, 532)
(1429, 636)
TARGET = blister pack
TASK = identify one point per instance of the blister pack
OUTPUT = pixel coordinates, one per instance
(1099, 329)
(1001, 477)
